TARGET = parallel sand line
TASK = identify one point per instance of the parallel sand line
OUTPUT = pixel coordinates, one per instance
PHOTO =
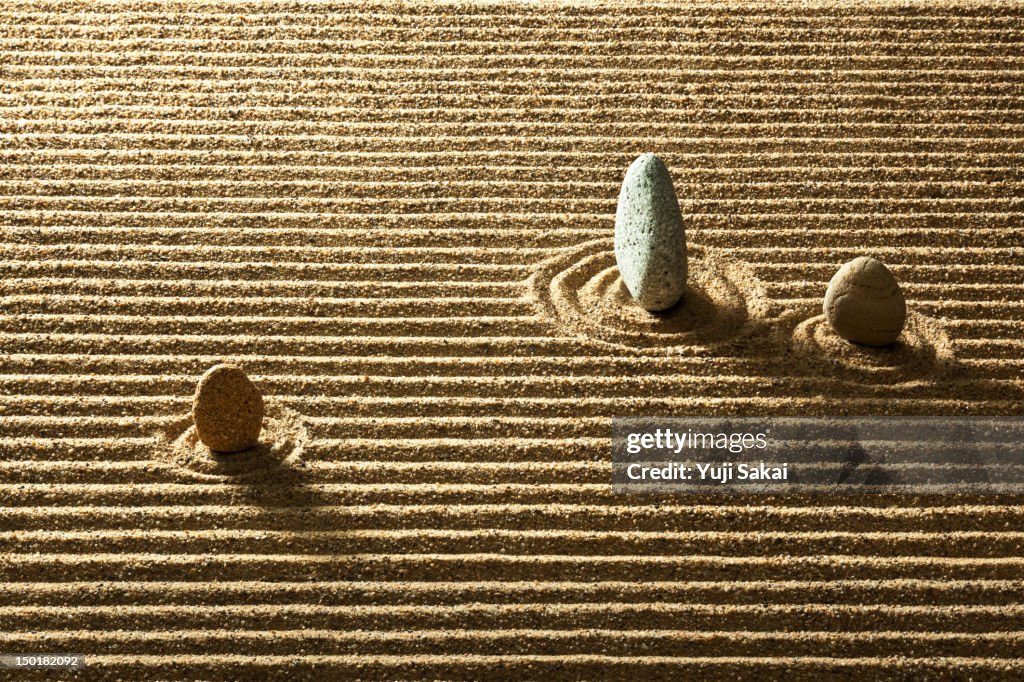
(262, 16)
(476, 623)
(891, 142)
(162, 369)
(277, 107)
(239, 188)
(57, 471)
(406, 79)
(352, 220)
(257, 271)
(311, 328)
(568, 542)
(484, 667)
(128, 41)
(108, 90)
(538, 255)
(434, 453)
(978, 358)
(542, 642)
(439, 63)
(104, 414)
(369, 254)
(540, 56)
(90, 288)
(237, 345)
(92, 374)
(293, 120)
(281, 612)
(582, 198)
(421, 180)
(568, 666)
(603, 387)
(497, 667)
(924, 510)
(711, 135)
(554, 516)
(522, 468)
(512, 166)
(459, 406)
(126, 102)
(269, 494)
(437, 325)
(689, 12)
(345, 431)
(461, 567)
(584, 207)
(485, 473)
(287, 129)
(169, 593)
(341, 309)
(227, 82)
(439, 261)
(994, 61)
(270, 288)
(658, 643)
(294, 314)
(749, 159)
(971, 618)
(981, 233)
(319, 399)
(145, 28)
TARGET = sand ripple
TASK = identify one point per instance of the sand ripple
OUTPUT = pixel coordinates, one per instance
(922, 352)
(582, 291)
(280, 448)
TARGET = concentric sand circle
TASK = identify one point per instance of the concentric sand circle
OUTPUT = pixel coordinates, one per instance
(922, 352)
(583, 293)
(280, 447)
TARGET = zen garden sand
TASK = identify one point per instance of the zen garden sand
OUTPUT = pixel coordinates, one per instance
(398, 222)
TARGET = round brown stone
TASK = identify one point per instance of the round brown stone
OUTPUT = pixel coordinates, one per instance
(864, 303)
(227, 410)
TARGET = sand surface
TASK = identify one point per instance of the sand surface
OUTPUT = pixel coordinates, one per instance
(399, 221)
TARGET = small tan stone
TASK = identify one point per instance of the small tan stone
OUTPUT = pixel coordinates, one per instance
(864, 303)
(227, 410)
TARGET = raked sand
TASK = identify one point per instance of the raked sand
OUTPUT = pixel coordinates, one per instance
(398, 220)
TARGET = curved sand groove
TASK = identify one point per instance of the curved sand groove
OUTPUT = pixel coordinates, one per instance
(923, 352)
(280, 448)
(582, 292)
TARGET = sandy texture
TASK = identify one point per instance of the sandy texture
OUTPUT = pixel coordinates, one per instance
(400, 223)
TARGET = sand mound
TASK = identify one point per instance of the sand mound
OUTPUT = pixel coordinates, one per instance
(923, 353)
(279, 448)
(583, 293)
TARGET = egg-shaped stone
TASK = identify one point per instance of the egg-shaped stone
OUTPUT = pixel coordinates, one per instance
(650, 241)
(864, 303)
(227, 410)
